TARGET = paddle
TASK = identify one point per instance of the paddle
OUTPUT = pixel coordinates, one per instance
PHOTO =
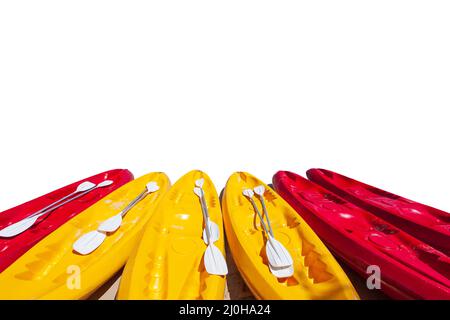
(113, 223)
(277, 254)
(90, 241)
(211, 225)
(26, 223)
(214, 261)
(213, 258)
(283, 272)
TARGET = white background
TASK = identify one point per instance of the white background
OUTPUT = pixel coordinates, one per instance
(362, 88)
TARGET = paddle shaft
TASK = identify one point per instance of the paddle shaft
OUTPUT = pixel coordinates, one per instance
(141, 196)
(266, 213)
(50, 206)
(53, 208)
(259, 215)
(205, 216)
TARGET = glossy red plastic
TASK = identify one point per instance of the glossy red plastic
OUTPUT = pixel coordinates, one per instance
(12, 248)
(410, 269)
(423, 222)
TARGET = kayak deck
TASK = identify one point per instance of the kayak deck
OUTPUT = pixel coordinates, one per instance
(426, 223)
(317, 275)
(52, 270)
(13, 248)
(168, 263)
(410, 268)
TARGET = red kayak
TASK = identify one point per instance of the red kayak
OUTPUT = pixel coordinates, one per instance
(423, 222)
(12, 248)
(409, 268)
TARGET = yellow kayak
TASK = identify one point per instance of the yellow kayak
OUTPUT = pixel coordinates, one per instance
(316, 274)
(168, 263)
(52, 270)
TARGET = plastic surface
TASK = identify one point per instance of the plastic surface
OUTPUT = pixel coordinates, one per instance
(13, 248)
(52, 270)
(423, 222)
(410, 269)
(317, 275)
(168, 263)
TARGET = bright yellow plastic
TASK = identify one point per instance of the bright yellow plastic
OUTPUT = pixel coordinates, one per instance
(168, 264)
(317, 275)
(52, 270)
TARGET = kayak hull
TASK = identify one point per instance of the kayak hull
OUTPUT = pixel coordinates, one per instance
(317, 275)
(168, 263)
(52, 270)
(12, 248)
(409, 268)
(426, 223)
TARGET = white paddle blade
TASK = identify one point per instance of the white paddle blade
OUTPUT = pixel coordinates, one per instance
(259, 190)
(198, 192)
(283, 272)
(199, 183)
(277, 254)
(152, 186)
(213, 231)
(89, 242)
(248, 193)
(105, 183)
(214, 261)
(85, 186)
(111, 224)
(18, 227)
